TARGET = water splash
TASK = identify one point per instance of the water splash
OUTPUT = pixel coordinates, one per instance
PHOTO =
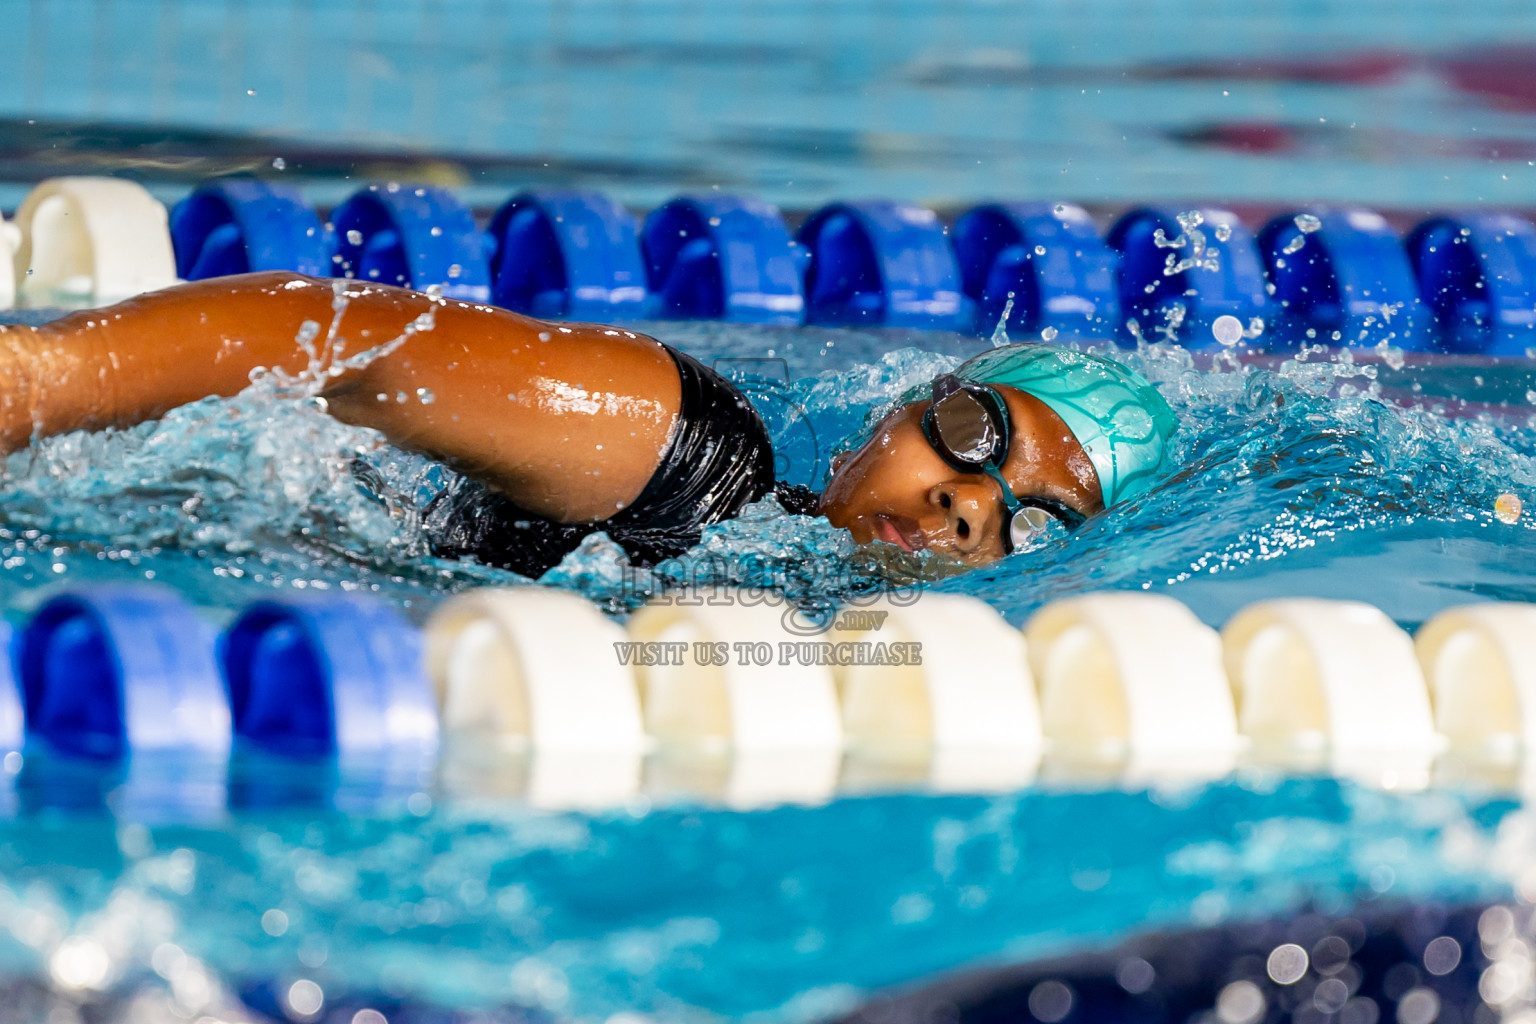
(1199, 256)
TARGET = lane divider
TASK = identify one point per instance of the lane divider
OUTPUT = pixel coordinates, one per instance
(535, 668)
(112, 670)
(1182, 270)
(91, 239)
(316, 676)
(1477, 273)
(1480, 661)
(240, 225)
(878, 263)
(716, 677)
(1318, 674)
(970, 686)
(1130, 672)
(727, 694)
(10, 241)
(1337, 276)
(1343, 276)
(722, 258)
(567, 253)
(12, 720)
(414, 236)
(1043, 264)
(106, 669)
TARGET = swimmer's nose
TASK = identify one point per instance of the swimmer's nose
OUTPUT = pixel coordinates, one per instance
(967, 508)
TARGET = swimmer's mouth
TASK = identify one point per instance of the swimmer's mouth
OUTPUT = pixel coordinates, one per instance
(898, 530)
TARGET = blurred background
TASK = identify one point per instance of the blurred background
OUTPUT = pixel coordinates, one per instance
(1398, 104)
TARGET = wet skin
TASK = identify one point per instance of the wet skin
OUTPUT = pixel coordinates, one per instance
(897, 489)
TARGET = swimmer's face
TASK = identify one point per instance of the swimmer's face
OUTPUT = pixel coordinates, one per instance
(897, 489)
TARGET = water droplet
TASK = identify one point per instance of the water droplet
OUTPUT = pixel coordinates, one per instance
(1050, 1001)
(305, 998)
(1241, 1002)
(1061, 209)
(1295, 244)
(437, 232)
(354, 237)
(1223, 232)
(425, 396)
(1307, 223)
(1228, 330)
(454, 270)
(1287, 964)
(1039, 250)
(1048, 334)
(1508, 507)
(279, 163)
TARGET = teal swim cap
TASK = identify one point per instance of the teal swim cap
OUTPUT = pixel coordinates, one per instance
(1119, 419)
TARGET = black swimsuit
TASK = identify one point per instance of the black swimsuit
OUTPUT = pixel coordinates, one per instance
(718, 460)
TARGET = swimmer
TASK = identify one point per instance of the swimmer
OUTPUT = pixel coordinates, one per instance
(561, 429)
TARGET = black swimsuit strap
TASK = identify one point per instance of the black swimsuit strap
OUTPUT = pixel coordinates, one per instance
(718, 459)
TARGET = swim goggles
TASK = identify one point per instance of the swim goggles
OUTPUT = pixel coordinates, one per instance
(967, 424)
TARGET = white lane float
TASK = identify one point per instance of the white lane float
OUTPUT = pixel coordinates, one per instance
(10, 240)
(965, 706)
(734, 709)
(715, 675)
(91, 240)
(1480, 663)
(1132, 676)
(1315, 678)
(534, 667)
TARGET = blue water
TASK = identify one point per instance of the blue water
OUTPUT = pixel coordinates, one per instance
(1362, 477)
(1400, 103)
(690, 912)
(1339, 474)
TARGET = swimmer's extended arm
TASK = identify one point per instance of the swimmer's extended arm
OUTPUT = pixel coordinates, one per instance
(570, 420)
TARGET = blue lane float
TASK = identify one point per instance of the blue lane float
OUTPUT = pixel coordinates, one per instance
(722, 258)
(12, 721)
(112, 670)
(567, 253)
(878, 263)
(1341, 277)
(317, 676)
(1182, 270)
(413, 236)
(236, 226)
(1477, 275)
(1044, 263)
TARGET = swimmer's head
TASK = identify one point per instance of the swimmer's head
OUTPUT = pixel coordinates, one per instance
(1084, 432)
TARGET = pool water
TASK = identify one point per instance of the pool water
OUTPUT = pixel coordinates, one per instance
(155, 891)
(1337, 473)
(692, 913)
